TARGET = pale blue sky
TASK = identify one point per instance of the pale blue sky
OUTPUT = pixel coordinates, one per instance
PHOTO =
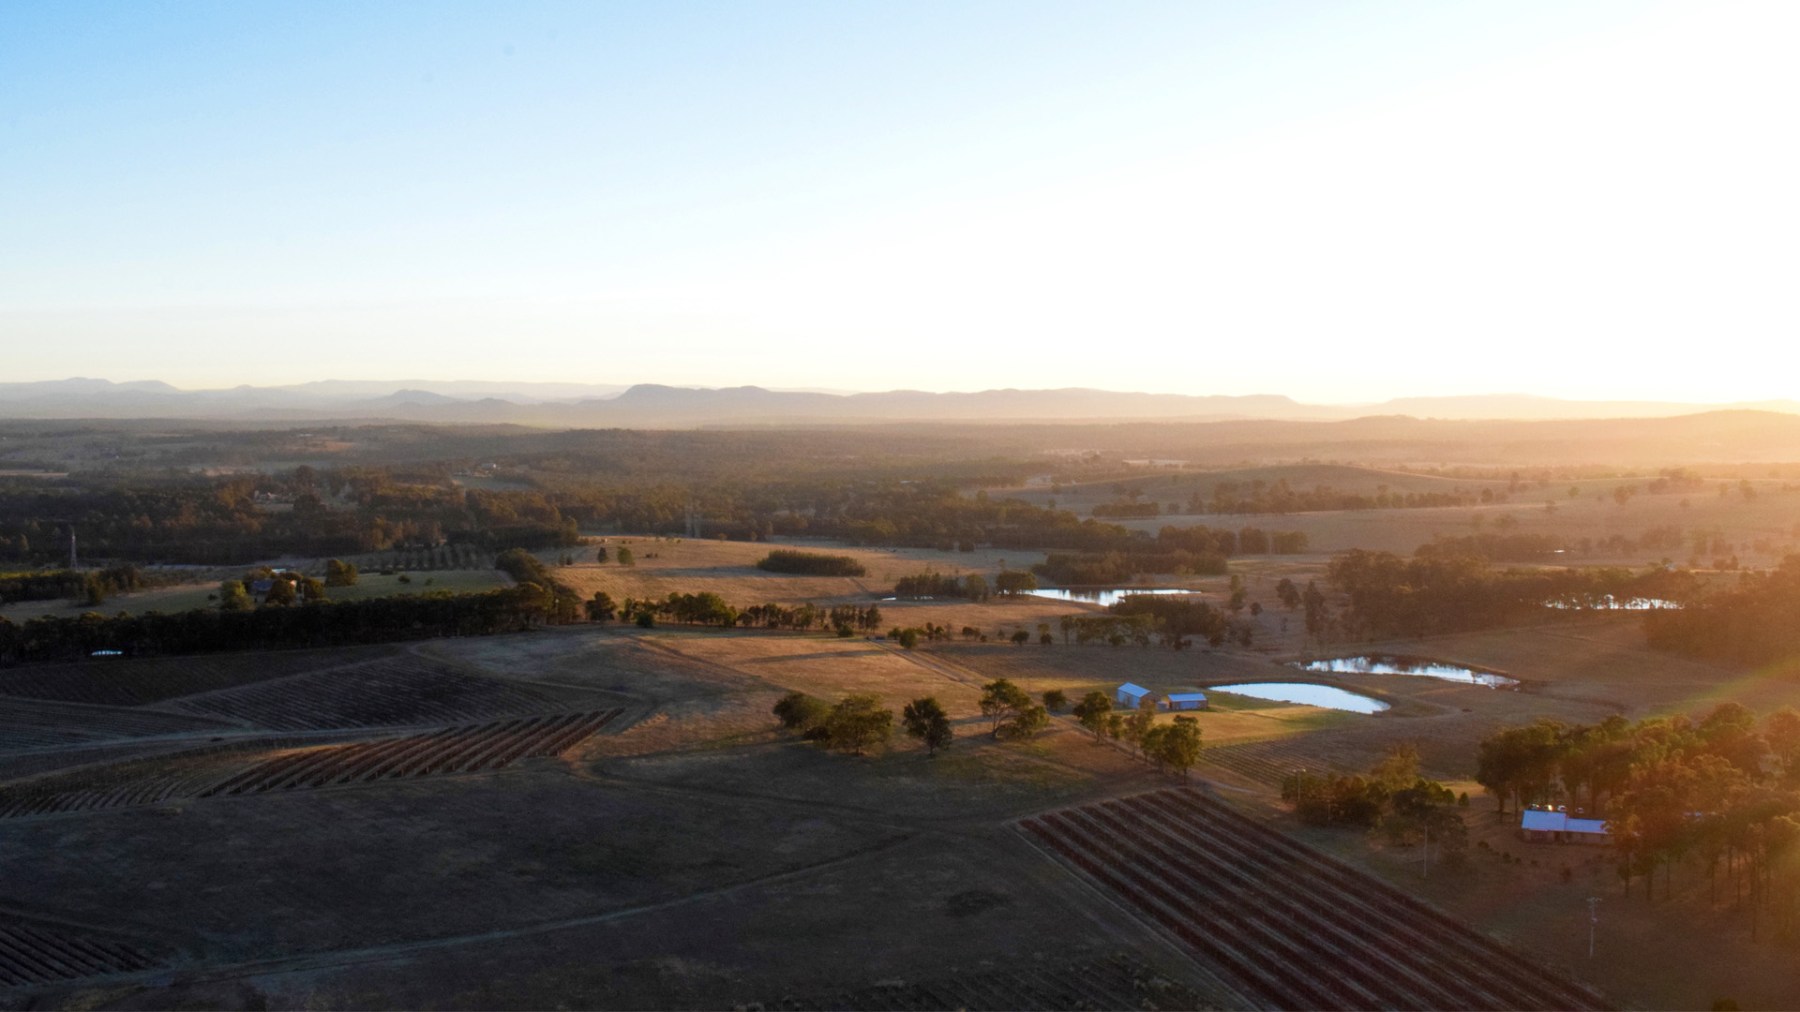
(1337, 201)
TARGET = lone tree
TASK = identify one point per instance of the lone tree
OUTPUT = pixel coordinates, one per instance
(1028, 723)
(600, 556)
(1093, 712)
(1055, 700)
(857, 724)
(1180, 745)
(626, 558)
(798, 711)
(926, 720)
(601, 608)
(1002, 702)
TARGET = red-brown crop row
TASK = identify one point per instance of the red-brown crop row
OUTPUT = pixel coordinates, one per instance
(467, 749)
(385, 693)
(42, 953)
(1285, 925)
(132, 782)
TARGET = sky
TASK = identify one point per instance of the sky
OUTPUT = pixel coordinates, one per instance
(1337, 201)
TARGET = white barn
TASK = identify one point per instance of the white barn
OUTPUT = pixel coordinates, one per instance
(1130, 695)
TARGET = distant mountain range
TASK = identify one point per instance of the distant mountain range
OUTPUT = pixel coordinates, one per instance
(575, 405)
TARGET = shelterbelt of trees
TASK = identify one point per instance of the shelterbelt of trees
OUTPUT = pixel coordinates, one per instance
(320, 624)
(92, 586)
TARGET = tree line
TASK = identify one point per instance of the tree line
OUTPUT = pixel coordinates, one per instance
(1750, 623)
(1388, 596)
(320, 624)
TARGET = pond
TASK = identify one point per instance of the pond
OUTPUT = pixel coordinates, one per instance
(1328, 696)
(1607, 602)
(1382, 664)
(1106, 597)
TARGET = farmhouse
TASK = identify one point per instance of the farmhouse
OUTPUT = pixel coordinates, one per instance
(1546, 825)
(1187, 701)
(1130, 695)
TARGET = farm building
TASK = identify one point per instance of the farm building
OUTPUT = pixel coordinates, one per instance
(1187, 700)
(1130, 695)
(1545, 825)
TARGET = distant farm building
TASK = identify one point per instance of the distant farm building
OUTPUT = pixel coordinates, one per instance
(1130, 695)
(1547, 825)
(1187, 700)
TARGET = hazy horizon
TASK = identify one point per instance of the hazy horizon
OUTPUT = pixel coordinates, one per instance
(570, 388)
(1339, 204)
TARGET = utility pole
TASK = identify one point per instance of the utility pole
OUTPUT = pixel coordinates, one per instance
(1593, 920)
(72, 547)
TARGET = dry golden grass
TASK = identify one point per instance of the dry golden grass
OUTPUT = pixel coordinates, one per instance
(728, 568)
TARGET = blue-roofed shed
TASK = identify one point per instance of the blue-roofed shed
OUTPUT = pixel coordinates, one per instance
(1130, 695)
(1187, 700)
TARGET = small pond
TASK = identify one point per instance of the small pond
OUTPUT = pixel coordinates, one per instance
(1106, 597)
(1328, 696)
(1607, 602)
(1381, 664)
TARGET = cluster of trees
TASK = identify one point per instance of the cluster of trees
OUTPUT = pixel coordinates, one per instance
(856, 724)
(525, 569)
(1172, 746)
(1176, 620)
(1724, 789)
(1751, 623)
(1010, 711)
(1393, 797)
(322, 624)
(1388, 596)
(1140, 619)
(784, 560)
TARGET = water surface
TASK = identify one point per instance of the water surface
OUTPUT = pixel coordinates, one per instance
(1382, 664)
(1328, 696)
(1105, 596)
